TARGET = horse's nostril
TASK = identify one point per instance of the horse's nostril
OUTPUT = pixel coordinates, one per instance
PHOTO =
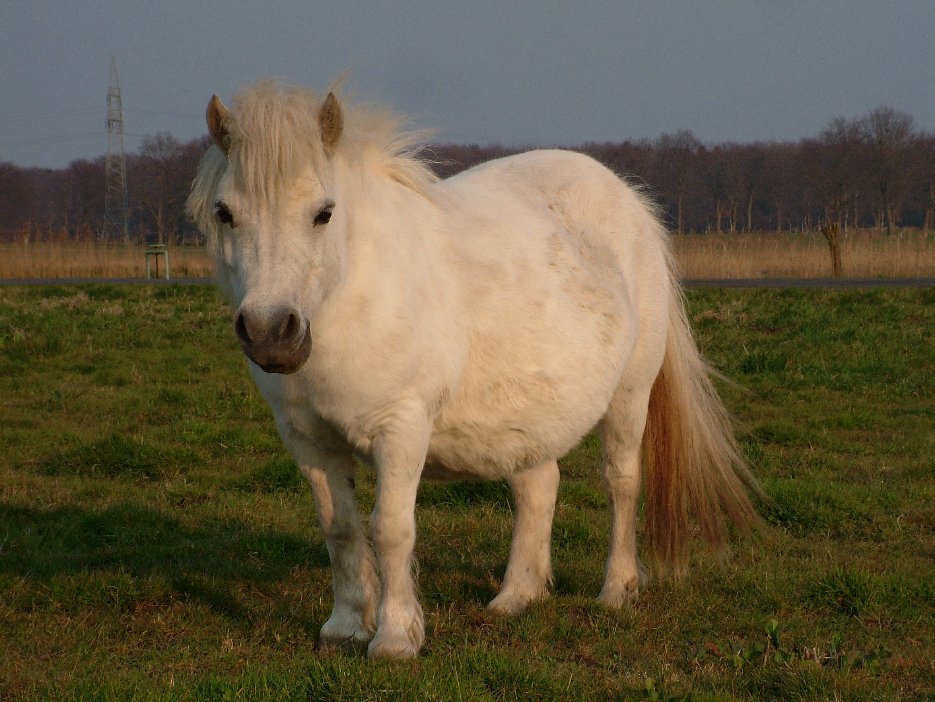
(290, 327)
(240, 328)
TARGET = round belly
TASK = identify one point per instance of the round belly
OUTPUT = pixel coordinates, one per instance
(519, 422)
(538, 376)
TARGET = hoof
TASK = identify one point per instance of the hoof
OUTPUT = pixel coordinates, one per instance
(395, 642)
(397, 646)
(344, 632)
(616, 598)
(619, 593)
(511, 603)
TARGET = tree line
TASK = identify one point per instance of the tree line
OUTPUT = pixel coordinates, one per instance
(875, 170)
(67, 204)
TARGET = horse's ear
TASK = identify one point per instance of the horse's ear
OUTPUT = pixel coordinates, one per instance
(217, 116)
(331, 122)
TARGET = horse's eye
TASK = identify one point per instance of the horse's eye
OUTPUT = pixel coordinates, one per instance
(324, 216)
(223, 214)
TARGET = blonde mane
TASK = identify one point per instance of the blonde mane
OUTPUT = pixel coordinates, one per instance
(275, 135)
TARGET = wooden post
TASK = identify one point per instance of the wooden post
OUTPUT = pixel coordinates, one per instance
(154, 251)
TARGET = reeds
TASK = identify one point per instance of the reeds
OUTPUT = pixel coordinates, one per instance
(864, 254)
(87, 260)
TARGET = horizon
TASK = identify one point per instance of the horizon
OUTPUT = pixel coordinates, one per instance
(651, 142)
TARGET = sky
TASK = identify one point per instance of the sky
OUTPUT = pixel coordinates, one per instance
(517, 73)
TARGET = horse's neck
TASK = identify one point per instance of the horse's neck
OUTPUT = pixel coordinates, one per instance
(396, 235)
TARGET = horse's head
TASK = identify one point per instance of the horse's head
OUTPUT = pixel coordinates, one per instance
(265, 198)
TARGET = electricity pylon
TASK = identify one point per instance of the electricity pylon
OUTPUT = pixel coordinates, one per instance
(116, 218)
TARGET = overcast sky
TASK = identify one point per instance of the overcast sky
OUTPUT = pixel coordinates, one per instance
(532, 73)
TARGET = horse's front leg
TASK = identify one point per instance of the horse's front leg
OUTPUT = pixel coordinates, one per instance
(326, 461)
(399, 456)
(353, 572)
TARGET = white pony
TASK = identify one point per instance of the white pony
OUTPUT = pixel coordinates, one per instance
(475, 327)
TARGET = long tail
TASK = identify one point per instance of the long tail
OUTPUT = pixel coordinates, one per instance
(694, 469)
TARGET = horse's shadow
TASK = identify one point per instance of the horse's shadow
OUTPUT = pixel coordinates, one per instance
(203, 563)
(208, 560)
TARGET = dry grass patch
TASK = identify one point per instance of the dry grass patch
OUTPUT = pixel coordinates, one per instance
(864, 253)
(88, 260)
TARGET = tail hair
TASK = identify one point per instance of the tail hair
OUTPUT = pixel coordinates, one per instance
(694, 467)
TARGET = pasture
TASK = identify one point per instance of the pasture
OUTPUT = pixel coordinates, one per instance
(157, 543)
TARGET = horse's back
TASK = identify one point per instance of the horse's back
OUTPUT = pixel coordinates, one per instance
(560, 217)
(581, 196)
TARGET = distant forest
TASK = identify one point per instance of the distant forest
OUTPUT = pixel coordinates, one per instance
(876, 170)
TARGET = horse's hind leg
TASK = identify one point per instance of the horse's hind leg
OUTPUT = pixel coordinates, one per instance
(621, 434)
(529, 570)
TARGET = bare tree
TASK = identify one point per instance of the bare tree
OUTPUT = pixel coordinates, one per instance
(676, 155)
(716, 176)
(780, 178)
(925, 176)
(155, 174)
(630, 159)
(17, 199)
(83, 205)
(837, 164)
(890, 136)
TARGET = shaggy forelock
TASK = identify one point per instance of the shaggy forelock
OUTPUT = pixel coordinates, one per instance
(274, 136)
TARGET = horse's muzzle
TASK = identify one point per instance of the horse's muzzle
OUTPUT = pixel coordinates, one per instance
(277, 340)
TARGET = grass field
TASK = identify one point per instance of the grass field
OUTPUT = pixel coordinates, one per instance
(157, 543)
(865, 254)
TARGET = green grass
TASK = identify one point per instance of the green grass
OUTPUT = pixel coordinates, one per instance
(157, 543)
